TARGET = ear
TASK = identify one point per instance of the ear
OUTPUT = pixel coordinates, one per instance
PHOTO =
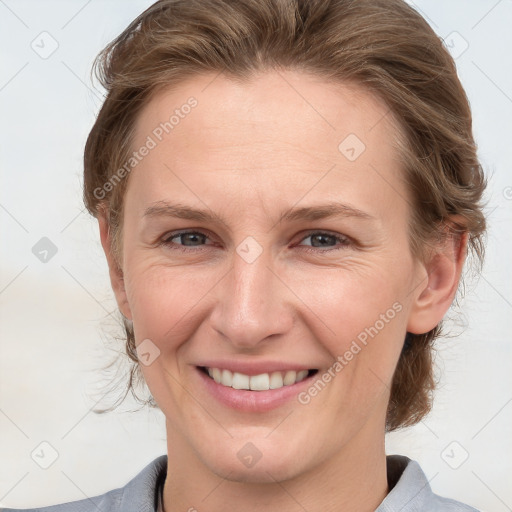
(439, 282)
(115, 271)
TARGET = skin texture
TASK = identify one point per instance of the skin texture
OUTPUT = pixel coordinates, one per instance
(249, 152)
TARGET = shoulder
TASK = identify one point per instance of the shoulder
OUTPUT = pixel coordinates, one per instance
(108, 501)
(138, 495)
(411, 491)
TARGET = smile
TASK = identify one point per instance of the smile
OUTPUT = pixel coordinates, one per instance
(261, 382)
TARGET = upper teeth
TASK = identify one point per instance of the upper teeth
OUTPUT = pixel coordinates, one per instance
(262, 382)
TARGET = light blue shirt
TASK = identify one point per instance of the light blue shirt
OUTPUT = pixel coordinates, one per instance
(410, 492)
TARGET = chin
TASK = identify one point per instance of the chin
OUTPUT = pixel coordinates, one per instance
(253, 459)
(264, 472)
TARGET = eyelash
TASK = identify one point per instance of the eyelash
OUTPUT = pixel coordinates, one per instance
(343, 240)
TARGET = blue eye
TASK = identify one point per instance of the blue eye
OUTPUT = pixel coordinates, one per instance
(322, 236)
(191, 240)
(188, 237)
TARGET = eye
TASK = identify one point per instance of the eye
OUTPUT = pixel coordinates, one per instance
(187, 238)
(321, 241)
(324, 239)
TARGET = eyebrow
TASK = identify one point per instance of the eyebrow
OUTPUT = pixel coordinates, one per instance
(305, 213)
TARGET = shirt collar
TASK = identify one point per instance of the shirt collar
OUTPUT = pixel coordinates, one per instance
(408, 486)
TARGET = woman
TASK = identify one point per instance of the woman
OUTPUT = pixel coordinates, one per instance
(286, 193)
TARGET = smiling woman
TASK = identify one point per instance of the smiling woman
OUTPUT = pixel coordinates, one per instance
(283, 252)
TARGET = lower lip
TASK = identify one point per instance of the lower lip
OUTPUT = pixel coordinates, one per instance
(253, 401)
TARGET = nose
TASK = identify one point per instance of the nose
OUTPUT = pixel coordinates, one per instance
(254, 303)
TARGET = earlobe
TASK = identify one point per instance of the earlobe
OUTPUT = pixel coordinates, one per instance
(115, 271)
(438, 286)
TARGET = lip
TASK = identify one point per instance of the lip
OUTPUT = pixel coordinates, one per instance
(254, 367)
(251, 401)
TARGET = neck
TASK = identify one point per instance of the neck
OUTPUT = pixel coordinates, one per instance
(353, 479)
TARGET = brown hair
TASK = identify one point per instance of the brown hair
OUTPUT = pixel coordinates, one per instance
(384, 46)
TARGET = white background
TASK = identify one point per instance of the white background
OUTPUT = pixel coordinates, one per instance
(55, 322)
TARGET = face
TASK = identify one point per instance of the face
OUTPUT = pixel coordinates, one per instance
(266, 236)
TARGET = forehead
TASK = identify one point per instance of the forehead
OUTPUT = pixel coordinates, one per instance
(302, 104)
(278, 127)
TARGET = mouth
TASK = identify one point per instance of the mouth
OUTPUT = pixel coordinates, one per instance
(262, 382)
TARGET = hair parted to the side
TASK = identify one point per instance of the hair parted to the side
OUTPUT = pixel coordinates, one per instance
(384, 46)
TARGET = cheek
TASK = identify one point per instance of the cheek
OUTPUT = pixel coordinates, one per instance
(339, 305)
(163, 300)
(361, 321)
(348, 303)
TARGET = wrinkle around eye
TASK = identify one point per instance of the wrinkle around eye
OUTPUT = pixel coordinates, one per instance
(341, 242)
(339, 238)
(350, 237)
